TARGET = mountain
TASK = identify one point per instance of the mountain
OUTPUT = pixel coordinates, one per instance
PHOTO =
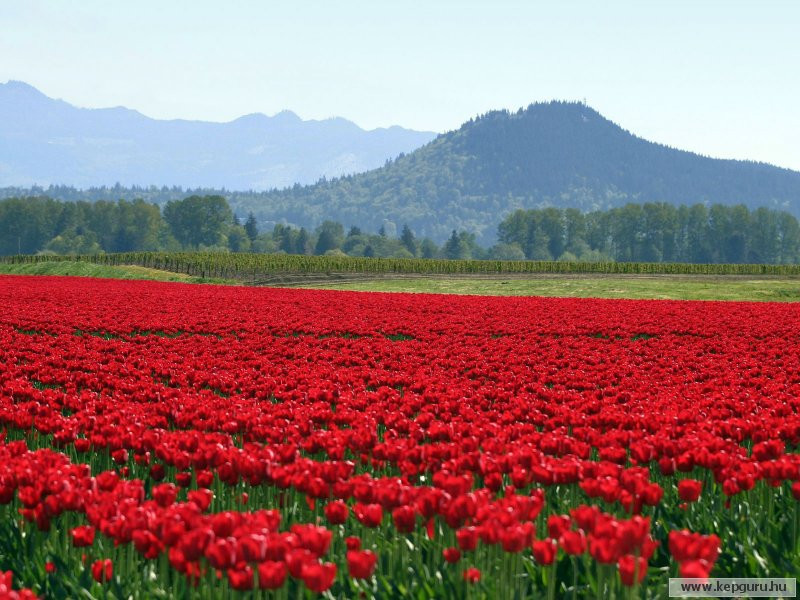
(562, 154)
(45, 141)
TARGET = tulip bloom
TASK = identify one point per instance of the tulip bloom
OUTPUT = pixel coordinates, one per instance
(472, 575)
(695, 569)
(467, 538)
(369, 515)
(361, 563)
(557, 525)
(451, 555)
(405, 518)
(271, 574)
(165, 494)
(205, 479)
(318, 577)
(573, 542)
(544, 551)
(102, 570)
(241, 578)
(82, 536)
(689, 489)
(796, 490)
(336, 512)
(352, 543)
(632, 569)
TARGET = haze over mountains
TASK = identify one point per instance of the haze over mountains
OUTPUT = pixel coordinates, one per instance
(45, 141)
(562, 154)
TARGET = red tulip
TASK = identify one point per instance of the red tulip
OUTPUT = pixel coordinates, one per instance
(369, 515)
(205, 479)
(271, 574)
(336, 512)
(318, 577)
(221, 553)
(605, 550)
(157, 472)
(313, 538)
(146, 543)
(202, 498)
(253, 547)
(451, 555)
(82, 536)
(689, 489)
(193, 543)
(102, 570)
(405, 518)
(695, 569)
(557, 525)
(165, 494)
(796, 490)
(472, 575)
(585, 516)
(361, 563)
(632, 569)
(544, 551)
(573, 542)
(685, 546)
(514, 539)
(297, 559)
(352, 543)
(241, 578)
(120, 456)
(467, 538)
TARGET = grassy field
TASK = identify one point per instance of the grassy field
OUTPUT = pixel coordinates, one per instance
(86, 269)
(675, 287)
(672, 287)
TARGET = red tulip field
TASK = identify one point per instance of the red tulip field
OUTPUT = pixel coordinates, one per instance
(168, 440)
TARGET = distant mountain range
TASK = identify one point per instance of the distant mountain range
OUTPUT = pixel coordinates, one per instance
(45, 141)
(562, 154)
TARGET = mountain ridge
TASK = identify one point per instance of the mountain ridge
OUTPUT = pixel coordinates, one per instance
(50, 141)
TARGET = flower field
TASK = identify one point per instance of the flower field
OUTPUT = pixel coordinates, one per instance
(169, 440)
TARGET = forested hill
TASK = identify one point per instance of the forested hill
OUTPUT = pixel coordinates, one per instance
(561, 154)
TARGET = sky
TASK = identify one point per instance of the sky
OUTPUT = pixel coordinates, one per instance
(718, 77)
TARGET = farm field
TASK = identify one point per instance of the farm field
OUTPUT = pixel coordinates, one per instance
(173, 440)
(87, 269)
(664, 287)
(265, 268)
(774, 288)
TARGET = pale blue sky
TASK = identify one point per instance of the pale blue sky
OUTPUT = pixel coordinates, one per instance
(720, 77)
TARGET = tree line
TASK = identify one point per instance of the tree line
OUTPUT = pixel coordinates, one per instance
(656, 232)
(41, 225)
(650, 232)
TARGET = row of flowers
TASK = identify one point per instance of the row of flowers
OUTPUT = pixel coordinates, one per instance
(549, 429)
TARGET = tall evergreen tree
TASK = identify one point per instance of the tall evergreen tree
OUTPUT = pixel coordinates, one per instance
(251, 227)
(302, 242)
(408, 240)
